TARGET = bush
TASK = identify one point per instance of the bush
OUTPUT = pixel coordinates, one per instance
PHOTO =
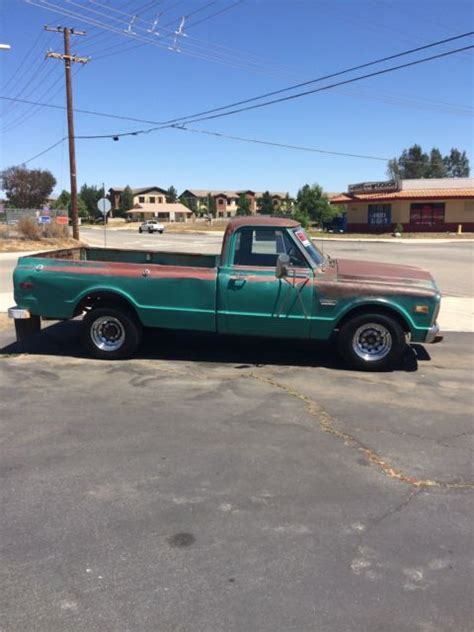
(58, 231)
(302, 217)
(399, 228)
(4, 232)
(29, 229)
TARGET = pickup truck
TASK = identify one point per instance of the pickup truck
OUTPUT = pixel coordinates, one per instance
(269, 280)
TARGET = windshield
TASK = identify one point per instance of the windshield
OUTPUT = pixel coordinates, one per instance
(315, 255)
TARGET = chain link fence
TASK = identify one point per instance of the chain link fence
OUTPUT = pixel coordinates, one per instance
(47, 221)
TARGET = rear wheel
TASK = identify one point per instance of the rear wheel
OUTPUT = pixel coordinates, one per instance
(110, 333)
(372, 342)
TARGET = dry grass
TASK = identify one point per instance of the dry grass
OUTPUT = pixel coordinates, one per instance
(16, 244)
(28, 228)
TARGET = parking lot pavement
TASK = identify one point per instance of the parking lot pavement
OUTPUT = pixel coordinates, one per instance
(219, 484)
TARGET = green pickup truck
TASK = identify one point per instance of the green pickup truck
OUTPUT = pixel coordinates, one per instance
(270, 280)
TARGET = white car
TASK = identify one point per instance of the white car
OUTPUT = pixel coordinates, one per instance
(151, 226)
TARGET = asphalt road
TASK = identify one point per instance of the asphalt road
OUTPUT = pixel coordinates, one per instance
(218, 485)
(451, 264)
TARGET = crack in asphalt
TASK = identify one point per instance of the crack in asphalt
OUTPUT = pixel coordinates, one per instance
(326, 423)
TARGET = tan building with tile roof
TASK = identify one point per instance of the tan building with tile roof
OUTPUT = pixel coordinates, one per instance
(432, 205)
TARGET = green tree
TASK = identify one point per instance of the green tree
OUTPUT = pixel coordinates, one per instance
(312, 201)
(126, 201)
(413, 163)
(301, 216)
(90, 195)
(171, 195)
(243, 205)
(265, 204)
(63, 202)
(190, 203)
(211, 204)
(437, 168)
(27, 188)
(457, 164)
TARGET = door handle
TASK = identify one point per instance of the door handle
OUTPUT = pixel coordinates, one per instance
(237, 282)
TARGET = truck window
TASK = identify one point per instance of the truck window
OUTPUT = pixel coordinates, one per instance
(261, 247)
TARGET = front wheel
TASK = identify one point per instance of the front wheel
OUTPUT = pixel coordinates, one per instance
(140, 230)
(110, 333)
(372, 342)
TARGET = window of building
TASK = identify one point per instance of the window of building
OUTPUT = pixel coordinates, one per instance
(380, 214)
(152, 199)
(160, 200)
(427, 213)
(221, 201)
(141, 199)
(261, 247)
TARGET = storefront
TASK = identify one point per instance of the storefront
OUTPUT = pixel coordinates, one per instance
(431, 205)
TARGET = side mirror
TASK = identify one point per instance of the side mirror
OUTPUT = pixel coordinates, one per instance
(283, 263)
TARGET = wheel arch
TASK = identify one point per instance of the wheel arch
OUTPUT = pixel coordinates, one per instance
(99, 297)
(375, 307)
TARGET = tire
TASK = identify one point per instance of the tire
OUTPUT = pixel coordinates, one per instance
(151, 231)
(161, 232)
(110, 333)
(372, 342)
(140, 230)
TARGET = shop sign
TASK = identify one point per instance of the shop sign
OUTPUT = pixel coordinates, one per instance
(386, 186)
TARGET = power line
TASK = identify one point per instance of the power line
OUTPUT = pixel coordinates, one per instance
(25, 162)
(460, 110)
(334, 85)
(197, 117)
(186, 50)
(280, 145)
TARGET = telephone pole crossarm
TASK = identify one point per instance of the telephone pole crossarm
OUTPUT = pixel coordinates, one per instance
(73, 58)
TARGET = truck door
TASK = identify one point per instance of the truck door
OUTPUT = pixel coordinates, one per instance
(251, 300)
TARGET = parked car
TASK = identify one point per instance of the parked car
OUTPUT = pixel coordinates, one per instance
(151, 226)
(270, 280)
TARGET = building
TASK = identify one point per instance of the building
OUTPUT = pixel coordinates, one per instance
(435, 205)
(150, 203)
(167, 212)
(226, 201)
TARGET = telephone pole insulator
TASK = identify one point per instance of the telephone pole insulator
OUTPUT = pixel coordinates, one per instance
(68, 60)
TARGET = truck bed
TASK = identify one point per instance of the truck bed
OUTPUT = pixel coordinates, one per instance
(118, 255)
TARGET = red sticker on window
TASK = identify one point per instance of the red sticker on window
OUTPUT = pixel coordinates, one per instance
(302, 237)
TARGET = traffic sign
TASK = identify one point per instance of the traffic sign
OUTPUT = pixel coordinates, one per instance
(104, 205)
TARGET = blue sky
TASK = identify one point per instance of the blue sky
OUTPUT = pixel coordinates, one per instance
(253, 47)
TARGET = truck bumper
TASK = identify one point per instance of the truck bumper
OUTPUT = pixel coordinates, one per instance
(17, 313)
(433, 334)
(26, 324)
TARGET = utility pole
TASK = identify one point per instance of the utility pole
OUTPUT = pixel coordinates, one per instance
(68, 60)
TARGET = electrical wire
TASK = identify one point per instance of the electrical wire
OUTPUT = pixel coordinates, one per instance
(197, 117)
(61, 140)
(185, 50)
(280, 145)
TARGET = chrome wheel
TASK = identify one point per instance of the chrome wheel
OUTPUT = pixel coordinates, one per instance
(372, 342)
(107, 333)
